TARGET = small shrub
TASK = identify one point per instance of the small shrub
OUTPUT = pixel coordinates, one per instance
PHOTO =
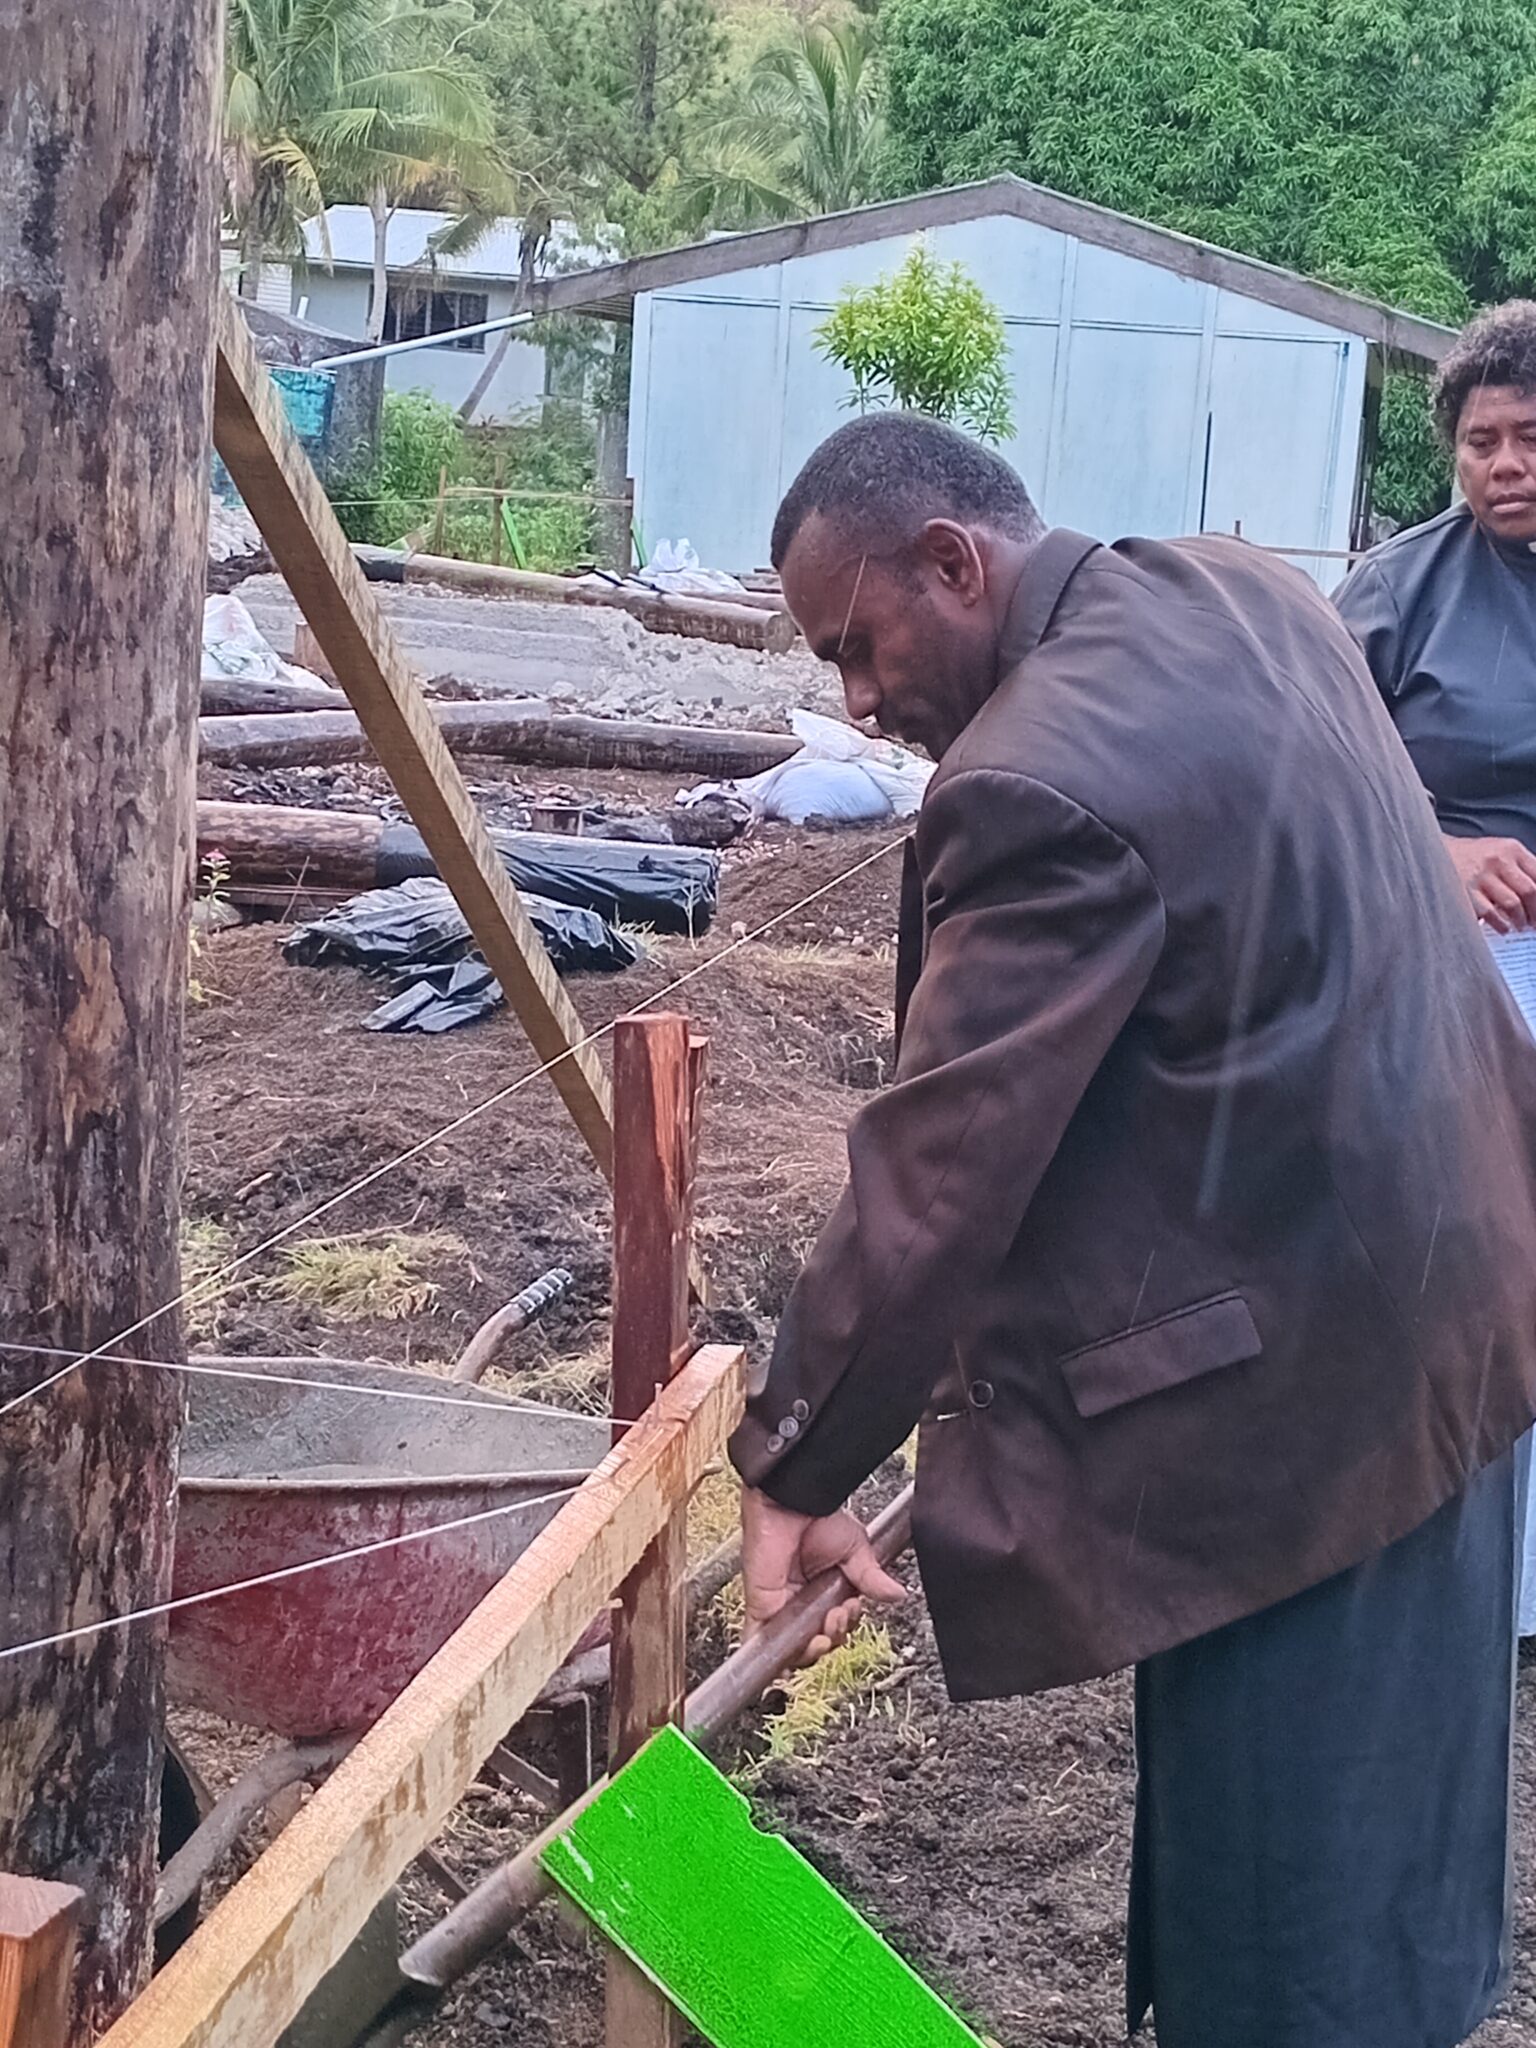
(927, 339)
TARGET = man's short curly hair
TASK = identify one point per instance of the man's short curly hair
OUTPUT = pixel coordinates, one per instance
(1498, 347)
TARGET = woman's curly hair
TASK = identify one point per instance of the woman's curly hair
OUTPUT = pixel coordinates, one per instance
(1497, 347)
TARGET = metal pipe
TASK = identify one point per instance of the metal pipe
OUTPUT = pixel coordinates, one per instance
(516, 1315)
(397, 348)
(292, 1763)
(482, 1921)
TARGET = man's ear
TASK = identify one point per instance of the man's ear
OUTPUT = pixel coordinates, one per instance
(952, 552)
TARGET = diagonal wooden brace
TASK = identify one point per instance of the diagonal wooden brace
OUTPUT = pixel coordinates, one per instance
(283, 494)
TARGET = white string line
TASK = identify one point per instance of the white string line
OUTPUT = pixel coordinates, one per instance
(202, 1291)
(273, 1578)
(513, 1404)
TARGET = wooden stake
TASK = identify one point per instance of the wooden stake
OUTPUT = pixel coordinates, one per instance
(38, 1926)
(658, 1071)
(274, 477)
(497, 502)
(438, 516)
(248, 1969)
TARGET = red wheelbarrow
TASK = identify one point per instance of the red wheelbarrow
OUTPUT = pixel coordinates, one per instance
(297, 1460)
(276, 1474)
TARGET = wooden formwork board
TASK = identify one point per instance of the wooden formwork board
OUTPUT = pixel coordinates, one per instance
(283, 495)
(246, 1972)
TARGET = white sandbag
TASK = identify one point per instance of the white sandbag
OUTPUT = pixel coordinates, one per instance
(840, 775)
(234, 646)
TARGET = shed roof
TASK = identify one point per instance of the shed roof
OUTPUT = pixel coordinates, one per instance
(612, 288)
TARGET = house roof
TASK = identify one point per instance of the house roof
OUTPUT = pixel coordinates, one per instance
(410, 228)
(612, 288)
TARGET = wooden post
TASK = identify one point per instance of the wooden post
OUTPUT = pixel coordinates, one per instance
(496, 505)
(438, 515)
(275, 479)
(108, 261)
(38, 1926)
(658, 1070)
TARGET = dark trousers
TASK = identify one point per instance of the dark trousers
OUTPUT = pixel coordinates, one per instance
(1321, 1853)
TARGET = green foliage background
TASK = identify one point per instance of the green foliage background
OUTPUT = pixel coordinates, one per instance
(1385, 145)
(421, 436)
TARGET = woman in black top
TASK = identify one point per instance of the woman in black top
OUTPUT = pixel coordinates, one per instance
(1446, 615)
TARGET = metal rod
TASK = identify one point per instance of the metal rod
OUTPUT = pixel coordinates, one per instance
(293, 1763)
(480, 1922)
(397, 348)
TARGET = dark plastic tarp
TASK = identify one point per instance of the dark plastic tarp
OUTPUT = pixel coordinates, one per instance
(416, 933)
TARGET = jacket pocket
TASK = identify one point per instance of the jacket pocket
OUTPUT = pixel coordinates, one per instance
(1176, 1348)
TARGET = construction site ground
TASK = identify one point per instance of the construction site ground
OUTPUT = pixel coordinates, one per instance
(991, 1842)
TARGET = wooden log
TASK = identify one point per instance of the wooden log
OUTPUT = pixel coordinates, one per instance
(285, 499)
(39, 1924)
(249, 696)
(668, 888)
(274, 843)
(248, 1969)
(516, 729)
(109, 168)
(697, 618)
(658, 1073)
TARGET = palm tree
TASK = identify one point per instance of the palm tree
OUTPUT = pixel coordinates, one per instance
(334, 99)
(807, 134)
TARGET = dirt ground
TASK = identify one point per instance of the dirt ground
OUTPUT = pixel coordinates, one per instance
(991, 1842)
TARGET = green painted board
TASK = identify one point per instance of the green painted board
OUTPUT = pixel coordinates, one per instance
(751, 1944)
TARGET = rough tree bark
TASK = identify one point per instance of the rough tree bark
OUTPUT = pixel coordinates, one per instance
(107, 270)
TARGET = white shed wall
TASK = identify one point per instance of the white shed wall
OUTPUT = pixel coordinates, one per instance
(338, 300)
(1144, 402)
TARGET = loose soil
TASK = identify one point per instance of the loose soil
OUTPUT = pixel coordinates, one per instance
(991, 1842)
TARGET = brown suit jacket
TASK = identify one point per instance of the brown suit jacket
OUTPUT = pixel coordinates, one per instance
(1199, 1223)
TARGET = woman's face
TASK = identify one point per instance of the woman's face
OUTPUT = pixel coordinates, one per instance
(1496, 459)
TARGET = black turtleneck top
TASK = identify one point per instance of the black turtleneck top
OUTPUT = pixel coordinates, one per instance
(1446, 616)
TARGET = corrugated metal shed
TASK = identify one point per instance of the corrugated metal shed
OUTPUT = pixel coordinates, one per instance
(1161, 385)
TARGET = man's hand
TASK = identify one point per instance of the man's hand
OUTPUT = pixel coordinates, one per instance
(781, 1550)
(1499, 875)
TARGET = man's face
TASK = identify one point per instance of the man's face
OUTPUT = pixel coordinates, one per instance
(1496, 459)
(913, 639)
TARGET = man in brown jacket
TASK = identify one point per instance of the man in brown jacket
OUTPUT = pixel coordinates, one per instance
(1198, 1228)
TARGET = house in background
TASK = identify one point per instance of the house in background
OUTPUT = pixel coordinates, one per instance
(1160, 385)
(427, 295)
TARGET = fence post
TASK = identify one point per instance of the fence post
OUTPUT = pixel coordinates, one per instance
(496, 504)
(38, 1925)
(658, 1071)
(438, 516)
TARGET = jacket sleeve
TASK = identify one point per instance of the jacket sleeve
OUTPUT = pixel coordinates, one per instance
(1044, 927)
(1365, 603)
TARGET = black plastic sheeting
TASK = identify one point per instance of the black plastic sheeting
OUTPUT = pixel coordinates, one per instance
(417, 934)
(668, 888)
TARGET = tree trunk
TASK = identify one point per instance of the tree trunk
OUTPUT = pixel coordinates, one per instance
(252, 255)
(514, 730)
(107, 270)
(378, 301)
(531, 242)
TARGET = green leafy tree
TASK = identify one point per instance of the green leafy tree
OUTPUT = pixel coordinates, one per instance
(349, 99)
(1388, 146)
(607, 94)
(803, 132)
(927, 339)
